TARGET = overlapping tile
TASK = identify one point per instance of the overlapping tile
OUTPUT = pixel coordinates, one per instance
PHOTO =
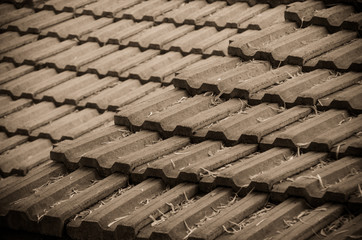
(148, 10)
(48, 202)
(106, 66)
(73, 125)
(6, 67)
(9, 13)
(286, 220)
(106, 8)
(9, 71)
(116, 32)
(312, 176)
(134, 116)
(9, 106)
(232, 16)
(190, 13)
(121, 153)
(343, 58)
(264, 19)
(348, 98)
(231, 129)
(11, 40)
(118, 95)
(329, 181)
(305, 133)
(142, 44)
(190, 43)
(302, 47)
(69, 152)
(103, 158)
(333, 17)
(102, 220)
(8, 143)
(36, 22)
(217, 74)
(32, 117)
(307, 88)
(349, 146)
(157, 36)
(71, 92)
(75, 28)
(30, 53)
(61, 6)
(192, 162)
(24, 156)
(31, 84)
(159, 68)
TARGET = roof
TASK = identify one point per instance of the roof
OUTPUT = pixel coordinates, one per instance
(181, 119)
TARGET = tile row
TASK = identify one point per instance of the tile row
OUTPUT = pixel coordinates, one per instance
(45, 199)
(176, 159)
(335, 17)
(254, 81)
(45, 120)
(96, 59)
(18, 155)
(300, 46)
(10, 13)
(183, 213)
(257, 82)
(172, 112)
(303, 47)
(197, 13)
(65, 25)
(85, 205)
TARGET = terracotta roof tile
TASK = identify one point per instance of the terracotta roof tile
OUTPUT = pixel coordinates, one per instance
(33, 83)
(334, 17)
(125, 59)
(61, 6)
(30, 53)
(75, 28)
(134, 115)
(11, 142)
(108, 97)
(11, 40)
(351, 146)
(116, 32)
(264, 19)
(145, 71)
(36, 22)
(190, 43)
(70, 152)
(70, 92)
(76, 124)
(190, 12)
(180, 119)
(218, 76)
(9, 13)
(32, 117)
(232, 16)
(107, 8)
(343, 58)
(97, 223)
(6, 67)
(156, 37)
(8, 106)
(10, 72)
(148, 10)
(24, 157)
(348, 98)
(85, 53)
